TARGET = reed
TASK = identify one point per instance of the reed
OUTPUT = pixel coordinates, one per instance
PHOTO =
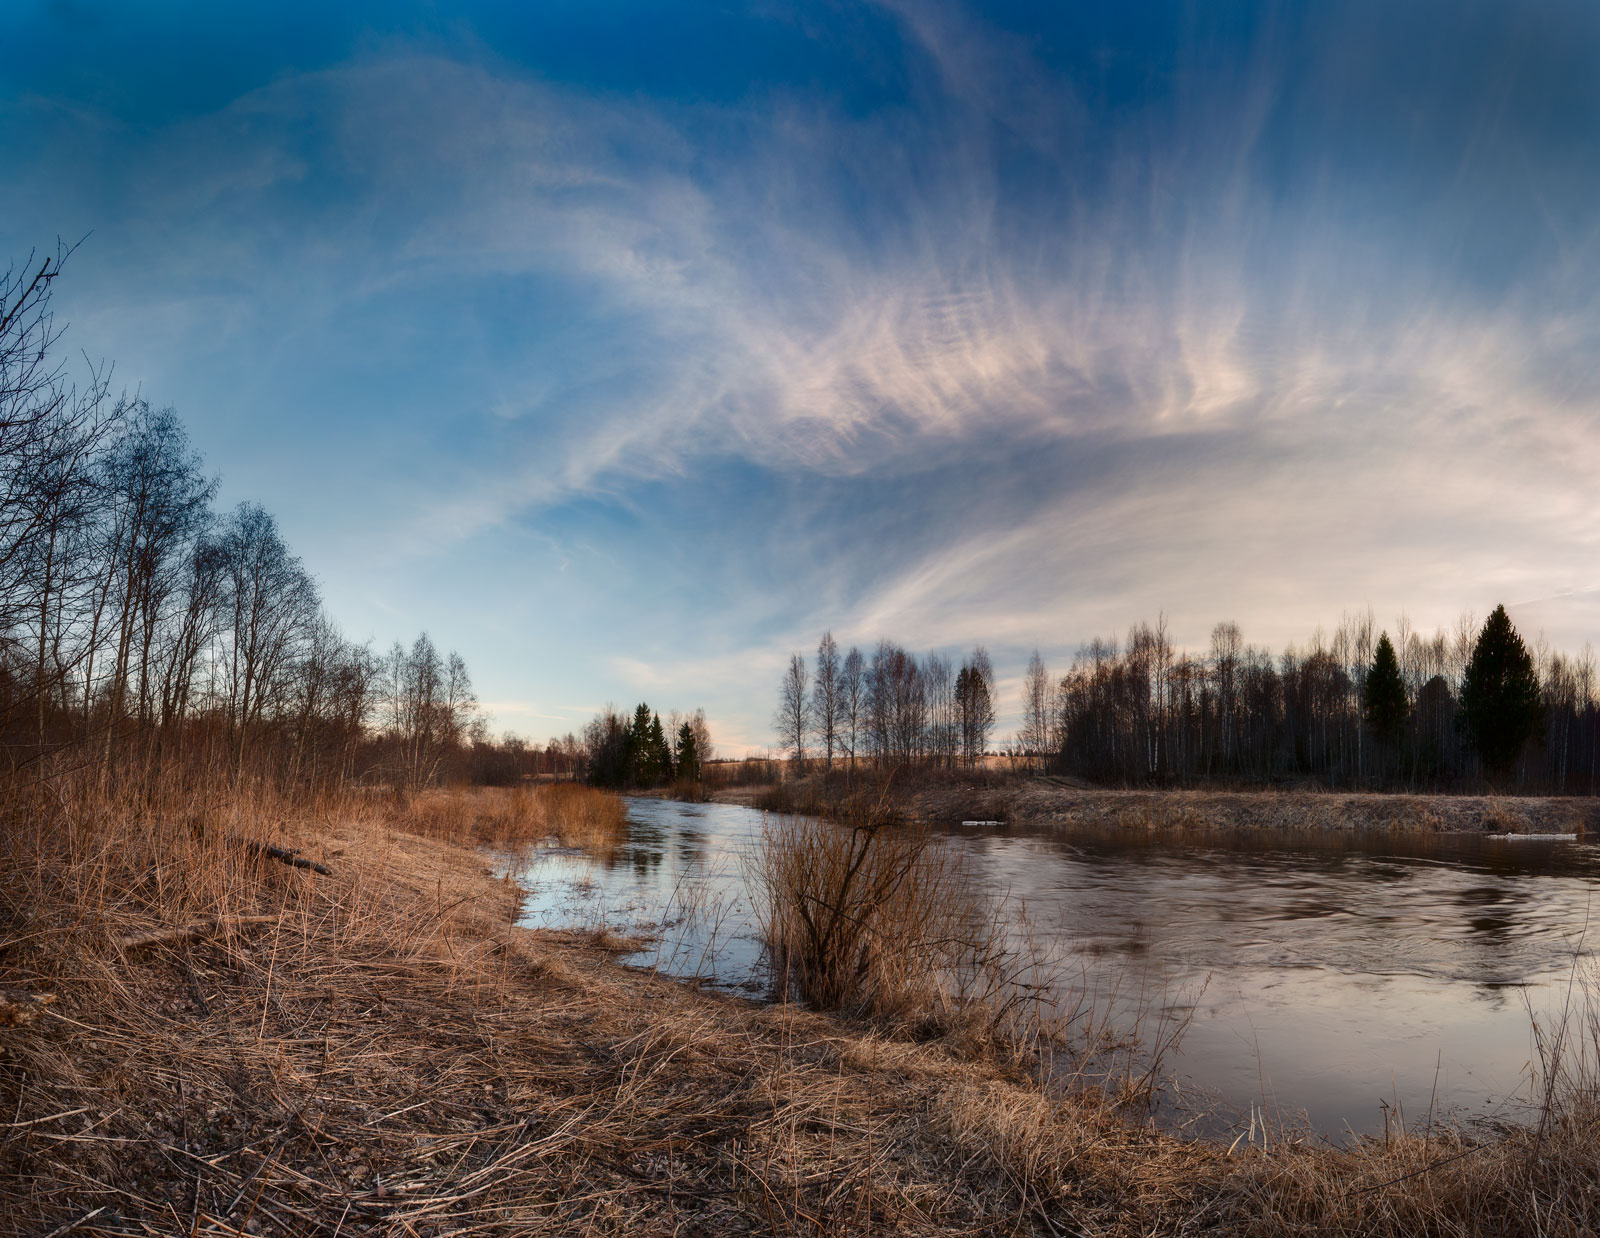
(509, 818)
(878, 918)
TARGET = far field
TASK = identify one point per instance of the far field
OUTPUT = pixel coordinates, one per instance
(1041, 800)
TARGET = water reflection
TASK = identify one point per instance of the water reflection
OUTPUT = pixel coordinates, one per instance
(1329, 974)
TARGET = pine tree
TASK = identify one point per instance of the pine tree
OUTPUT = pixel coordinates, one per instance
(1383, 698)
(688, 755)
(1500, 704)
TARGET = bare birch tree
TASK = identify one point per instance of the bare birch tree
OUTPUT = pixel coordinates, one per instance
(852, 701)
(1035, 710)
(825, 698)
(793, 718)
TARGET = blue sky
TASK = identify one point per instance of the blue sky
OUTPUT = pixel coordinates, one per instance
(626, 348)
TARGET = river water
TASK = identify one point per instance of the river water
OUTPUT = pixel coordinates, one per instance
(1346, 981)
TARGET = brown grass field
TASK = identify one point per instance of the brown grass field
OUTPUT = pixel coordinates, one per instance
(949, 797)
(238, 1046)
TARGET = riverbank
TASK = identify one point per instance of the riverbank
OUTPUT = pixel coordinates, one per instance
(947, 799)
(378, 1049)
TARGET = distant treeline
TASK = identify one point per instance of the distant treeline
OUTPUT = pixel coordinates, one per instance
(894, 709)
(1458, 710)
(641, 752)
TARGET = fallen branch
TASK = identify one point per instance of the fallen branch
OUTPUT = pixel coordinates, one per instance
(284, 856)
(88, 1216)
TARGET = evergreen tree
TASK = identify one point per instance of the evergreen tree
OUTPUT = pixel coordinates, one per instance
(660, 762)
(1383, 698)
(1500, 705)
(688, 755)
(640, 751)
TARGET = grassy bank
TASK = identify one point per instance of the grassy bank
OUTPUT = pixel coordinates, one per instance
(944, 798)
(242, 1046)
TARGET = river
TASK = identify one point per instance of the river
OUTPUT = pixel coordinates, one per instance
(1336, 980)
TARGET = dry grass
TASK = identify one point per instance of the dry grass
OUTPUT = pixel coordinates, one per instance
(858, 916)
(1046, 801)
(376, 1050)
(568, 812)
(878, 918)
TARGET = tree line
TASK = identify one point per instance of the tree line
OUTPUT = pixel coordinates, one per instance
(141, 627)
(638, 752)
(1460, 709)
(894, 709)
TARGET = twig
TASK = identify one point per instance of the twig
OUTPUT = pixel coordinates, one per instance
(72, 1225)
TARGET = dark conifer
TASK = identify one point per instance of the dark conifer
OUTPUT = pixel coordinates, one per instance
(1500, 705)
(688, 755)
(639, 749)
(660, 764)
(1383, 697)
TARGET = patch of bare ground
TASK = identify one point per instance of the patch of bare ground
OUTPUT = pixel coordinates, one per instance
(377, 1050)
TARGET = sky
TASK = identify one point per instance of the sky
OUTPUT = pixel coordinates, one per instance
(625, 348)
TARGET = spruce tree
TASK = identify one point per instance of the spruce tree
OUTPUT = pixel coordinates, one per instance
(688, 755)
(660, 753)
(639, 750)
(1383, 697)
(1500, 704)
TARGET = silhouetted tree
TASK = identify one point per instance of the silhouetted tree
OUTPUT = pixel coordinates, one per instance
(1383, 696)
(639, 748)
(688, 754)
(606, 744)
(975, 705)
(659, 765)
(1500, 701)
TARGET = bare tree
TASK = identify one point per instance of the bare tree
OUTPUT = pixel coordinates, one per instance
(1036, 709)
(270, 605)
(826, 699)
(943, 734)
(702, 736)
(158, 502)
(852, 701)
(49, 429)
(792, 719)
(429, 707)
(974, 694)
(897, 706)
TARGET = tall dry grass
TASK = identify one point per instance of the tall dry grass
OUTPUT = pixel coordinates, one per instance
(876, 917)
(510, 818)
(86, 868)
